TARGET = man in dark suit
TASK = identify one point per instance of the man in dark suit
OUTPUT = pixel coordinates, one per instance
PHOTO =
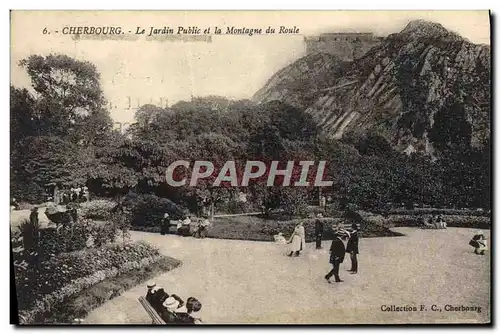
(165, 224)
(318, 231)
(337, 255)
(34, 216)
(352, 248)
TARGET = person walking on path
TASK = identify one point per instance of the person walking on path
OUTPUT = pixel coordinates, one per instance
(337, 255)
(318, 230)
(34, 216)
(353, 249)
(297, 240)
(165, 224)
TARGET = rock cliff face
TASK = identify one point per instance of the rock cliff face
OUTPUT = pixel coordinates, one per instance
(409, 88)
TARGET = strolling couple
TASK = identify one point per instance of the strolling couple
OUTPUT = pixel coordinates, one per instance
(338, 251)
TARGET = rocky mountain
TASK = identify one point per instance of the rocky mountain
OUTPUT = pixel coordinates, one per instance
(421, 88)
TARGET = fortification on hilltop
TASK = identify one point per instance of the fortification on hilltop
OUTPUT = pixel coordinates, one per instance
(346, 46)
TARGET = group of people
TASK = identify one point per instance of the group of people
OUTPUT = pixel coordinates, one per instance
(434, 222)
(79, 194)
(345, 241)
(186, 226)
(171, 308)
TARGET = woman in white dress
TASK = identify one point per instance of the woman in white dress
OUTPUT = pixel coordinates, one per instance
(297, 240)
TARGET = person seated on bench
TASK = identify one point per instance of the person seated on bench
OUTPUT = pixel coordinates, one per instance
(185, 315)
(151, 292)
(440, 222)
(158, 298)
(169, 310)
(203, 227)
(427, 223)
(184, 228)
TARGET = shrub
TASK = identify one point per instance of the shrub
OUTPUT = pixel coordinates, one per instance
(30, 234)
(27, 191)
(103, 234)
(83, 234)
(97, 209)
(293, 201)
(121, 222)
(235, 207)
(66, 239)
(148, 210)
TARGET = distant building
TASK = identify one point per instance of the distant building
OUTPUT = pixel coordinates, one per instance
(347, 46)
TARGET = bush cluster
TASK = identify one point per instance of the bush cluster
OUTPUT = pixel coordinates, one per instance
(436, 211)
(148, 210)
(451, 221)
(84, 233)
(100, 209)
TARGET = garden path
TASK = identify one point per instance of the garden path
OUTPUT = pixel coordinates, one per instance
(254, 282)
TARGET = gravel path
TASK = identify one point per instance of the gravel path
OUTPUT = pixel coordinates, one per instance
(254, 282)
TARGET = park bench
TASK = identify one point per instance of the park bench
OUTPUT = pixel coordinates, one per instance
(155, 317)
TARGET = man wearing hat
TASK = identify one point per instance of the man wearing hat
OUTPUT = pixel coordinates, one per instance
(318, 230)
(170, 306)
(337, 255)
(151, 292)
(352, 248)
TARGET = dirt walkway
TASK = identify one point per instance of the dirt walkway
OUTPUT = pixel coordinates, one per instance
(253, 282)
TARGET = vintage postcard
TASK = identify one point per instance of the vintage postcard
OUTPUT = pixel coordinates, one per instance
(250, 167)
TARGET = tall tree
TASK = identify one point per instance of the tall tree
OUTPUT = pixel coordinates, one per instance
(69, 97)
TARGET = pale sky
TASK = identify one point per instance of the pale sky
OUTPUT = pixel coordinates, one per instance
(231, 66)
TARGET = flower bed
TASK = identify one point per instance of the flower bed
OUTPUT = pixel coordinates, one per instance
(40, 287)
(80, 304)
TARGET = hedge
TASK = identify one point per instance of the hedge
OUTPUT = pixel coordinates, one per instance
(99, 209)
(451, 221)
(436, 211)
(148, 210)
